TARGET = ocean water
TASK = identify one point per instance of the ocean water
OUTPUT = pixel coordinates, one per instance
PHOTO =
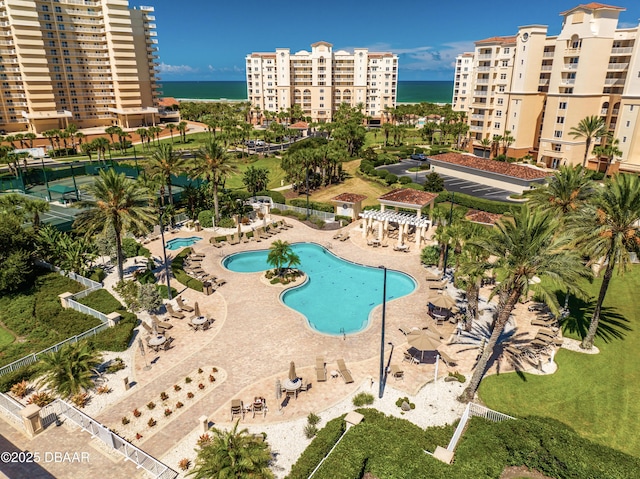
(408, 91)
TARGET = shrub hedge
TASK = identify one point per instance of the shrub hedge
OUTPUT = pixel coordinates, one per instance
(178, 271)
(205, 218)
(131, 248)
(490, 206)
(392, 448)
(118, 337)
(25, 373)
(302, 203)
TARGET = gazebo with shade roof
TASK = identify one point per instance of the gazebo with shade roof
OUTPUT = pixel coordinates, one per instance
(407, 199)
(348, 204)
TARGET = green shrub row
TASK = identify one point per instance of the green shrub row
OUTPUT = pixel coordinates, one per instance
(302, 203)
(319, 447)
(131, 248)
(490, 206)
(178, 271)
(205, 218)
(118, 337)
(393, 448)
(25, 373)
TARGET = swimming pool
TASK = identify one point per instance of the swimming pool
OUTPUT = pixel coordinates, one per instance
(178, 243)
(338, 295)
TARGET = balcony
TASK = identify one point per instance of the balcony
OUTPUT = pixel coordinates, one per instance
(546, 68)
(570, 66)
(603, 112)
(543, 81)
(483, 69)
(482, 81)
(621, 50)
(615, 112)
(476, 128)
(477, 116)
(617, 66)
(485, 56)
(480, 93)
(548, 54)
(614, 81)
(568, 81)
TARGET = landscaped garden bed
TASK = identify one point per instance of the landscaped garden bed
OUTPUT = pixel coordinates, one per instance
(146, 419)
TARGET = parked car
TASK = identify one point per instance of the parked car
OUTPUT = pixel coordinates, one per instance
(259, 143)
(419, 156)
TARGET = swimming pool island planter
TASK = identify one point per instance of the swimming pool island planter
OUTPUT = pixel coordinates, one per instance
(355, 289)
(299, 280)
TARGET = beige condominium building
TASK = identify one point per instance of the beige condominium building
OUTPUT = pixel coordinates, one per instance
(86, 62)
(320, 80)
(534, 88)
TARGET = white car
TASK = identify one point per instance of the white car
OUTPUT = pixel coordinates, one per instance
(259, 143)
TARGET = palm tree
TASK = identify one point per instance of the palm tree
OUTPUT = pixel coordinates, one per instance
(119, 204)
(170, 127)
(525, 246)
(280, 253)
(567, 191)
(607, 229)
(233, 454)
(507, 141)
(69, 370)
(472, 268)
(589, 128)
(166, 162)
(212, 163)
(30, 137)
(34, 208)
(609, 151)
(100, 144)
(486, 145)
(255, 179)
(182, 128)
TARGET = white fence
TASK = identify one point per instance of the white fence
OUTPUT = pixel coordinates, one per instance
(59, 408)
(324, 215)
(470, 411)
(91, 286)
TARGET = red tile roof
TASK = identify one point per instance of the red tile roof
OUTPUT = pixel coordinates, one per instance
(476, 216)
(499, 167)
(594, 6)
(168, 101)
(303, 125)
(511, 39)
(409, 196)
(348, 198)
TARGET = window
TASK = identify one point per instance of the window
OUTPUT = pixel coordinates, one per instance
(628, 124)
(624, 139)
(500, 101)
(46, 17)
(501, 89)
(557, 147)
(321, 98)
(497, 126)
(498, 113)
(45, 8)
(562, 105)
(58, 9)
(560, 119)
(557, 134)
(503, 76)
(48, 26)
(58, 18)
(505, 63)
(506, 50)
(321, 105)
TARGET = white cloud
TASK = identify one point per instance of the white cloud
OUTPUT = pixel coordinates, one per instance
(423, 58)
(627, 25)
(177, 69)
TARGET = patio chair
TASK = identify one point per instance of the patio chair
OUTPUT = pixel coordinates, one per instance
(409, 358)
(437, 285)
(163, 325)
(237, 408)
(293, 393)
(345, 237)
(321, 370)
(259, 407)
(286, 225)
(184, 307)
(396, 372)
(197, 255)
(344, 372)
(337, 236)
(547, 323)
(173, 313)
(305, 386)
(167, 344)
(245, 238)
(220, 281)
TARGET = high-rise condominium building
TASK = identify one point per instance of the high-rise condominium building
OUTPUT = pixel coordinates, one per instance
(320, 80)
(86, 62)
(532, 88)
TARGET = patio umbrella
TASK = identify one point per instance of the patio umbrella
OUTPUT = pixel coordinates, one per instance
(154, 325)
(443, 301)
(292, 372)
(424, 342)
(196, 309)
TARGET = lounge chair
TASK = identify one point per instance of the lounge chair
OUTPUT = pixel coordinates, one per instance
(237, 408)
(184, 307)
(448, 360)
(286, 225)
(437, 285)
(263, 234)
(409, 358)
(345, 237)
(245, 238)
(197, 255)
(259, 407)
(321, 370)
(337, 236)
(147, 328)
(167, 344)
(344, 372)
(173, 313)
(547, 323)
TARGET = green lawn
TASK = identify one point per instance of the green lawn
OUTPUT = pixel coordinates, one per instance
(276, 174)
(6, 337)
(594, 394)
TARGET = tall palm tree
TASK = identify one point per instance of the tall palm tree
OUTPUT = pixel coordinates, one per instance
(233, 454)
(182, 128)
(486, 145)
(165, 162)
(589, 128)
(607, 229)
(68, 370)
(526, 246)
(212, 163)
(35, 208)
(100, 144)
(30, 137)
(567, 191)
(171, 127)
(118, 204)
(609, 151)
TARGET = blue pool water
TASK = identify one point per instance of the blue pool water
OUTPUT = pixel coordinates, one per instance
(178, 243)
(338, 295)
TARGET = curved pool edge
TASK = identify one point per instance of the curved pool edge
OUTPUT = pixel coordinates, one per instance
(308, 324)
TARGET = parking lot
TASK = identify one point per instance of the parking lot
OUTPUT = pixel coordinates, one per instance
(452, 184)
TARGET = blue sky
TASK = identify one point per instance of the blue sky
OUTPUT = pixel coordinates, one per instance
(208, 40)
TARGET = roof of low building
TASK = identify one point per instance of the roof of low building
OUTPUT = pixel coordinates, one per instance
(168, 101)
(482, 217)
(409, 196)
(499, 167)
(509, 39)
(348, 198)
(303, 125)
(593, 6)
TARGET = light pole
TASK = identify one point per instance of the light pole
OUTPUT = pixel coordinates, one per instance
(384, 308)
(164, 253)
(446, 250)
(307, 188)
